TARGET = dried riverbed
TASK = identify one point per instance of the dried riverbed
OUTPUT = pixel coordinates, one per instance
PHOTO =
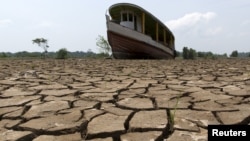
(109, 100)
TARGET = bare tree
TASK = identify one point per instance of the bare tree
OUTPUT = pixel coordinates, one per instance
(104, 45)
(43, 43)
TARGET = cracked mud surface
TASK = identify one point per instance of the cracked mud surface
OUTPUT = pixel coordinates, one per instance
(121, 100)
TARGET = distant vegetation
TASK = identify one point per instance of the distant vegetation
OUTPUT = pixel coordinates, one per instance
(3, 55)
(64, 54)
(60, 54)
(105, 52)
(189, 53)
(234, 53)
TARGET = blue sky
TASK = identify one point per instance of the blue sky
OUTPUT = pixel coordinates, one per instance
(220, 26)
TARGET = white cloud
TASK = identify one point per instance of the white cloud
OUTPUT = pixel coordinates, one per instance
(190, 20)
(5, 22)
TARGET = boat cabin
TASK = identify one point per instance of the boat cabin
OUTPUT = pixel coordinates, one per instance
(131, 20)
(143, 22)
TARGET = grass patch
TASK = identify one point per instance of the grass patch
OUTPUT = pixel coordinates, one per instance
(172, 115)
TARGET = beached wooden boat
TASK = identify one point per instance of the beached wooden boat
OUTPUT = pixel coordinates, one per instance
(134, 33)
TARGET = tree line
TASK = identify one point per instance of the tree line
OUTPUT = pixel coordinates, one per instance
(105, 52)
(63, 53)
(189, 53)
(60, 54)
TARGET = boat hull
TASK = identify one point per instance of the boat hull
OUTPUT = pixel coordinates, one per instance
(124, 47)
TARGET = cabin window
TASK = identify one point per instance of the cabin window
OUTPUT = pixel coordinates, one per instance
(135, 23)
(130, 17)
(124, 17)
(127, 16)
(127, 19)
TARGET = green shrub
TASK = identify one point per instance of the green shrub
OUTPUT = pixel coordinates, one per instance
(3, 55)
(189, 53)
(192, 54)
(234, 53)
(185, 53)
(62, 54)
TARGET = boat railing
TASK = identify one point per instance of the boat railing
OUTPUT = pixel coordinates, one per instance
(115, 21)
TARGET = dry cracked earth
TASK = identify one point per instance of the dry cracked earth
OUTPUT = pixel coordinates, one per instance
(121, 100)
